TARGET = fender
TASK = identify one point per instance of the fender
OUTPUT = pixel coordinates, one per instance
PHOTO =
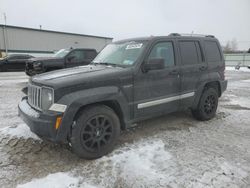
(76, 100)
(211, 77)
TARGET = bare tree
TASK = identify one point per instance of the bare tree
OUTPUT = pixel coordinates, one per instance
(234, 44)
(231, 46)
(227, 47)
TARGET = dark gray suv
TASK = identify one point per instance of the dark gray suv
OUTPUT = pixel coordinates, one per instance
(129, 81)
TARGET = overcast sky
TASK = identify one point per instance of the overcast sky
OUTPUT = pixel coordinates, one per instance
(226, 19)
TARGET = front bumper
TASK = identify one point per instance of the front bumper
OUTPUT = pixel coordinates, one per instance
(32, 70)
(42, 124)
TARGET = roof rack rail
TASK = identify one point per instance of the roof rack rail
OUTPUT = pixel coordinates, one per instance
(174, 34)
(190, 35)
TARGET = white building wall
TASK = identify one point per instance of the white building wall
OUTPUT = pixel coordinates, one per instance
(35, 40)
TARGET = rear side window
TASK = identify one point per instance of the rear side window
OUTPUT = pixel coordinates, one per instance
(189, 52)
(212, 51)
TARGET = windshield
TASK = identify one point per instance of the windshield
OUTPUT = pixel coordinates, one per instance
(120, 54)
(61, 53)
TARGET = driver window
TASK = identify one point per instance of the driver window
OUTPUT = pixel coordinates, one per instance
(163, 50)
(76, 56)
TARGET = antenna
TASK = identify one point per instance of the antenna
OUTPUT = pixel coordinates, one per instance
(192, 33)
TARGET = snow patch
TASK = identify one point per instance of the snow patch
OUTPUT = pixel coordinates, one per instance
(242, 69)
(19, 131)
(147, 164)
(242, 101)
(246, 81)
(57, 180)
(223, 176)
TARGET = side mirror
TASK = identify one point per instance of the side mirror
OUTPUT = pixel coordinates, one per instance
(154, 64)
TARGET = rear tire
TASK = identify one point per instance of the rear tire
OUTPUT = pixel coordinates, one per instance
(95, 133)
(207, 106)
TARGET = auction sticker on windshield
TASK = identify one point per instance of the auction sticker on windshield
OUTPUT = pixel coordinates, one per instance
(133, 46)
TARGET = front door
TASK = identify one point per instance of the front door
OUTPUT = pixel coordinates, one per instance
(156, 92)
(15, 63)
(75, 58)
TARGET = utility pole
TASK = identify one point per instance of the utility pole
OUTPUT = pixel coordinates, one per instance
(5, 33)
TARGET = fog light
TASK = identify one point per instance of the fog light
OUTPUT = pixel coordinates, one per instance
(58, 122)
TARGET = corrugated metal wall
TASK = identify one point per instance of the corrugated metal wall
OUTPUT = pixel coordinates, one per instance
(242, 59)
(35, 40)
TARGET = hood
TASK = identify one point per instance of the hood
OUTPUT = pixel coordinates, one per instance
(35, 59)
(78, 75)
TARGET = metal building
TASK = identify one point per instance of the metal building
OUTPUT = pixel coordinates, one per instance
(15, 39)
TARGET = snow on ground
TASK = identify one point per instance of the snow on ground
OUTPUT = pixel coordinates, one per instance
(140, 164)
(171, 151)
(242, 69)
(10, 95)
(221, 177)
(133, 165)
(57, 180)
(18, 131)
(241, 101)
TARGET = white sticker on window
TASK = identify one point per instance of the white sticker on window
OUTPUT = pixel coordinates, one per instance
(133, 46)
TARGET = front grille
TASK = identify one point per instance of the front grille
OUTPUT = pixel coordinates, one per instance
(29, 65)
(35, 96)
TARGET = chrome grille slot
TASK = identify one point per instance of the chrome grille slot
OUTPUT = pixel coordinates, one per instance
(34, 96)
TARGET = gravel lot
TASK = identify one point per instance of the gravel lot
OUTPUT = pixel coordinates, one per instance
(170, 151)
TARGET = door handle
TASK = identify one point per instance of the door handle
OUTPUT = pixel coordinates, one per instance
(202, 68)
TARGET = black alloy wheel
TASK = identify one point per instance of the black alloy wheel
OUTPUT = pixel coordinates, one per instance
(207, 106)
(95, 132)
(210, 104)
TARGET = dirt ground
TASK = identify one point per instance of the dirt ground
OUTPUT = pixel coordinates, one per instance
(170, 151)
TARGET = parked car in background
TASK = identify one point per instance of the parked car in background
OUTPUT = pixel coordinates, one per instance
(14, 62)
(129, 81)
(64, 58)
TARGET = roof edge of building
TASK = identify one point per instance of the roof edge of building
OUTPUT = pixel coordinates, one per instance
(51, 31)
(28, 51)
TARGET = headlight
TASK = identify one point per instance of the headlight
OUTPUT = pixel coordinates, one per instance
(37, 65)
(47, 97)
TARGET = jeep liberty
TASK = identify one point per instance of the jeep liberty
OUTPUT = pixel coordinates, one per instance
(129, 81)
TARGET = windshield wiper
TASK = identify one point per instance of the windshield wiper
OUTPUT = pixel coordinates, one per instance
(105, 63)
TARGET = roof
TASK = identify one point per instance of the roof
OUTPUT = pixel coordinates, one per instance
(170, 36)
(59, 32)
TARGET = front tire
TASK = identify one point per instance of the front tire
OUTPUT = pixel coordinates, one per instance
(95, 132)
(207, 106)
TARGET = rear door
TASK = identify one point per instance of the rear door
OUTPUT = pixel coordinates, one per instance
(214, 58)
(156, 91)
(193, 67)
